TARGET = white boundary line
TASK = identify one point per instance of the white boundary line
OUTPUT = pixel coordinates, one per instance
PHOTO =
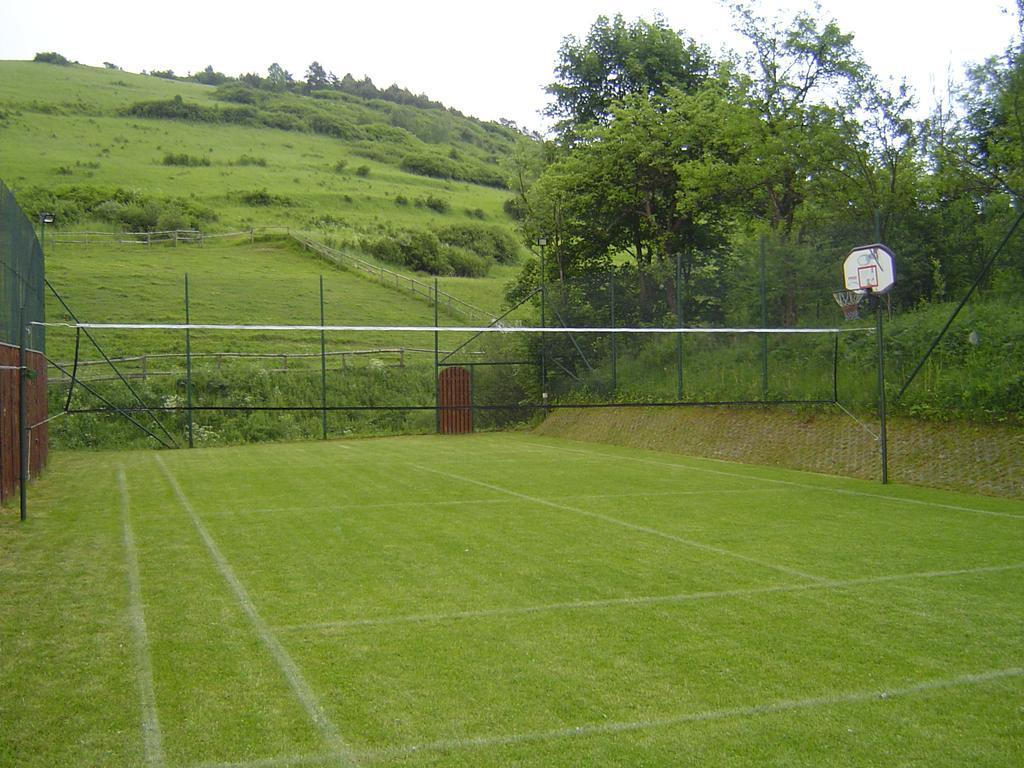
(152, 740)
(774, 481)
(625, 524)
(464, 502)
(757, 710)
(328, 732)
(878, 696)
(642, 600)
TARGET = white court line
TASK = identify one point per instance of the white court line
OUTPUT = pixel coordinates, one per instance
(625, 524)
(878, 696)
(640, 601)
(775, 481)
(152, 741)
(462, 502)
(328, 732)
(757, 710)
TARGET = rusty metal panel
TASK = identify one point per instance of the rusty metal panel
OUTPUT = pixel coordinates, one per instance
(36, 396)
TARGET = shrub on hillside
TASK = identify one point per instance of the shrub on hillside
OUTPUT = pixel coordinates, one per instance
(466, 263)
(51, 57)
(126, 208)
(262, 198)
(438, 204)
(184, 159)
(424, 252)
(488, 241)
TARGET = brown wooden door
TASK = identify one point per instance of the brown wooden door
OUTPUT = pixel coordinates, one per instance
(456, 401)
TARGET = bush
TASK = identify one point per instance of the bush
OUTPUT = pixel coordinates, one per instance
(184, 159)
(488, 241)
(465, 263)
(51, 57)
(259, 198)
(363, 171)
(438, 204)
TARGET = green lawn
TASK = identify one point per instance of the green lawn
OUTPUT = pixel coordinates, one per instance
(502, 599)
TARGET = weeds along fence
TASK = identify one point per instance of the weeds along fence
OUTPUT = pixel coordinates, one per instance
(146, 366)
(171, 236)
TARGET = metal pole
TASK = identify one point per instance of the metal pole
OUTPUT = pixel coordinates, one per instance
(188, 368)
(472, 398)
(882, 436)
(437, 364)
(22, 420)
(835, 368)
(615, 355)
(764, 323)
(679, 322)
(543, 338)
(323, 361)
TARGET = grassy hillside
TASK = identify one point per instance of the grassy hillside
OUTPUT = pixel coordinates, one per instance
(71, 137)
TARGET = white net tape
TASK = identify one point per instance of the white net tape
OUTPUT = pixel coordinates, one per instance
(435, 328)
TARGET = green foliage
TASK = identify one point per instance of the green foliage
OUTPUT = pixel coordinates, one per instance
(491, 242)
(127, 208)
(616, 60)
(440, 167)
(429, 252)
(51, 57)
(438, 204)
(261, 198)
(186, 160)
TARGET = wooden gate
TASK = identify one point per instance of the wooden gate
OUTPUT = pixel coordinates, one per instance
(455, 401)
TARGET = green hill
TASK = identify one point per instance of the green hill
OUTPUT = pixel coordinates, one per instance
(107, 147)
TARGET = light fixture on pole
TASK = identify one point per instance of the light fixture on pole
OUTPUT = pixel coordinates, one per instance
(44, 219)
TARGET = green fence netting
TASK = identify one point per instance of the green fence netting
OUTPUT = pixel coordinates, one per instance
(21, 275)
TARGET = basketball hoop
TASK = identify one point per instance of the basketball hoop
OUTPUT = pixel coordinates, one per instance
(849, 302)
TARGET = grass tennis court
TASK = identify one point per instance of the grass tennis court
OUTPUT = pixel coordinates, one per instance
(502, 600)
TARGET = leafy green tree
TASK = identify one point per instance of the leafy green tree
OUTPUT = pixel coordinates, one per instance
(278, 78)
(618, 59)
(799, 80)
(316, 77)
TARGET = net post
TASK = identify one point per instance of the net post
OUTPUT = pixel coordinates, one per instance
(188, 368)
(883, 442)
(615, 356)
(437, 366)
(764, 322)
(22, 420)
(835, 368)
(543, 340)
(472, 398)
(679, 323)
(323, 362)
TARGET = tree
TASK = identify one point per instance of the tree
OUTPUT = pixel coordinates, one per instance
(210, 77)
(798, 81)
(316, 77)
(278, 78)
(618, 59)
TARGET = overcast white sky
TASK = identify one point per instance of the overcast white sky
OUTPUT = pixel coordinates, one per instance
(486, 59)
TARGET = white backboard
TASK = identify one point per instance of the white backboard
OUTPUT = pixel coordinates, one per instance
(869, 268)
